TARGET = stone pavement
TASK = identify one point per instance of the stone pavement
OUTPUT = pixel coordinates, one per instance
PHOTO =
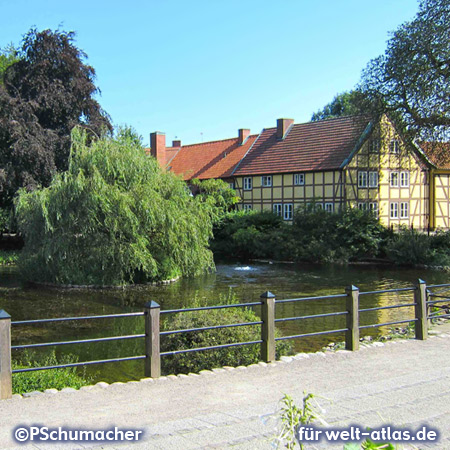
(403, 383)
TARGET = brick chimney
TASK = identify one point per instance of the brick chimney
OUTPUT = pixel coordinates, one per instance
(243, 134)
(283, 126)
(158, 147)
(176, 144)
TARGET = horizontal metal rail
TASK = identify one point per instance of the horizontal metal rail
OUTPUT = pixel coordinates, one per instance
(437, 285)
(434, 302)
(208, 308)
(376, 325)
(319, 333)
(304, 299)
(80, 341)
(67, 319)
(378, 308)
(200, 349)
(437, 316)
(215, 327)
(447, 297)
(85, 363)
(286, 319)
(384, 291)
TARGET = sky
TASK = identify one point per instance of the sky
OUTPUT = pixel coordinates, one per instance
(198, 70)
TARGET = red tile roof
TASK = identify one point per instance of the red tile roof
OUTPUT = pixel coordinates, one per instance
(438, 153)
(322, 145)
(215, 159)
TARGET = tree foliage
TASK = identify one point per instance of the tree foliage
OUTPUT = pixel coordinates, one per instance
(412, 77)
(8, 56)
(217, 194)
(113, 218)
(344, 104)
(46, 92)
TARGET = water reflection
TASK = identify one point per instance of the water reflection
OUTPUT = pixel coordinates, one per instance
(246, 282)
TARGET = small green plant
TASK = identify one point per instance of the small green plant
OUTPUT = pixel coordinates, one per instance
(292, 416)
(47, 379)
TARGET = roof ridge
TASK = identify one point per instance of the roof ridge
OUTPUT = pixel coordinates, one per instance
(218, 140)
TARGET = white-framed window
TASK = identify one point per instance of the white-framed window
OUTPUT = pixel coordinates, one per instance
(318, 206)
(394, 147)
(404, 179)
(373, 179)
(393, 179)
(247, 207)
(231, 185)
(373, 206)
(299, 179)
(278, 209)
(404, 210)
(266, 180)
(248, 184)
(394, 210)
(362, 206)
(287, 211)
(374, 145)
(329, 207)
(362, 179)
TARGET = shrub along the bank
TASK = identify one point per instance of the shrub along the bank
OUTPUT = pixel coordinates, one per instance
(247, 235)
(210, 359)
(320, 236)
(113, 218)
(411, 247)
(47, 379)
(314, 236)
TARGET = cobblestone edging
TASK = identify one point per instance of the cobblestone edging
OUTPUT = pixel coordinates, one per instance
(364, 346)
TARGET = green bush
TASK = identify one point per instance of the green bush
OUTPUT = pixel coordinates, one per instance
(47, 379)
(320, 236)
(246, 235)
(209, 359)
(409, 247)
(113, 218)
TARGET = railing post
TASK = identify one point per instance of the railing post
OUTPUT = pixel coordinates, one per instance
(352, 306)
(420, 299)
(5, 356)
(152, 349)
(268, 327)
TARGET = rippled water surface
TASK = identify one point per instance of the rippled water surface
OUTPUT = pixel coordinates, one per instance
(247, 282)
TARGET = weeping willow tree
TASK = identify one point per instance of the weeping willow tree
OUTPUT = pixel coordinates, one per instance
(113, 218)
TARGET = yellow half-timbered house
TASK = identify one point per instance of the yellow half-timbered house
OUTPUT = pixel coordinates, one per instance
(342, 162)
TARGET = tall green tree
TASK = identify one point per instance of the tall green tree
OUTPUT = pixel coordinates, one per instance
(8, 56)
(344, 104)
(113, 218)
(412, 77)
(45, 93)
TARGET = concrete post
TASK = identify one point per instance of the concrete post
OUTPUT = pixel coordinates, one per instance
(420, 299)
(5, 356)
(268, 327)
(152, 348)
(352, 306)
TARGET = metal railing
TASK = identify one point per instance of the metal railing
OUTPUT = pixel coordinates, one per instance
(152, 313)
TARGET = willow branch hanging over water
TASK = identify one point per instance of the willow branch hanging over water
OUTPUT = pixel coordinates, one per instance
(113, 218)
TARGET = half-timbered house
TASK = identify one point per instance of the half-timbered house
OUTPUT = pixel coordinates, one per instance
(329, 164)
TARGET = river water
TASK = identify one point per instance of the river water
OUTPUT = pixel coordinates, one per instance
(246, 282)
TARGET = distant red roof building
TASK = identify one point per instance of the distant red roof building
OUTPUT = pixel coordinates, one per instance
(207, 160)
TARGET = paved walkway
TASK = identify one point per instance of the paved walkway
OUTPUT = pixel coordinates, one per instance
(403, 383)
